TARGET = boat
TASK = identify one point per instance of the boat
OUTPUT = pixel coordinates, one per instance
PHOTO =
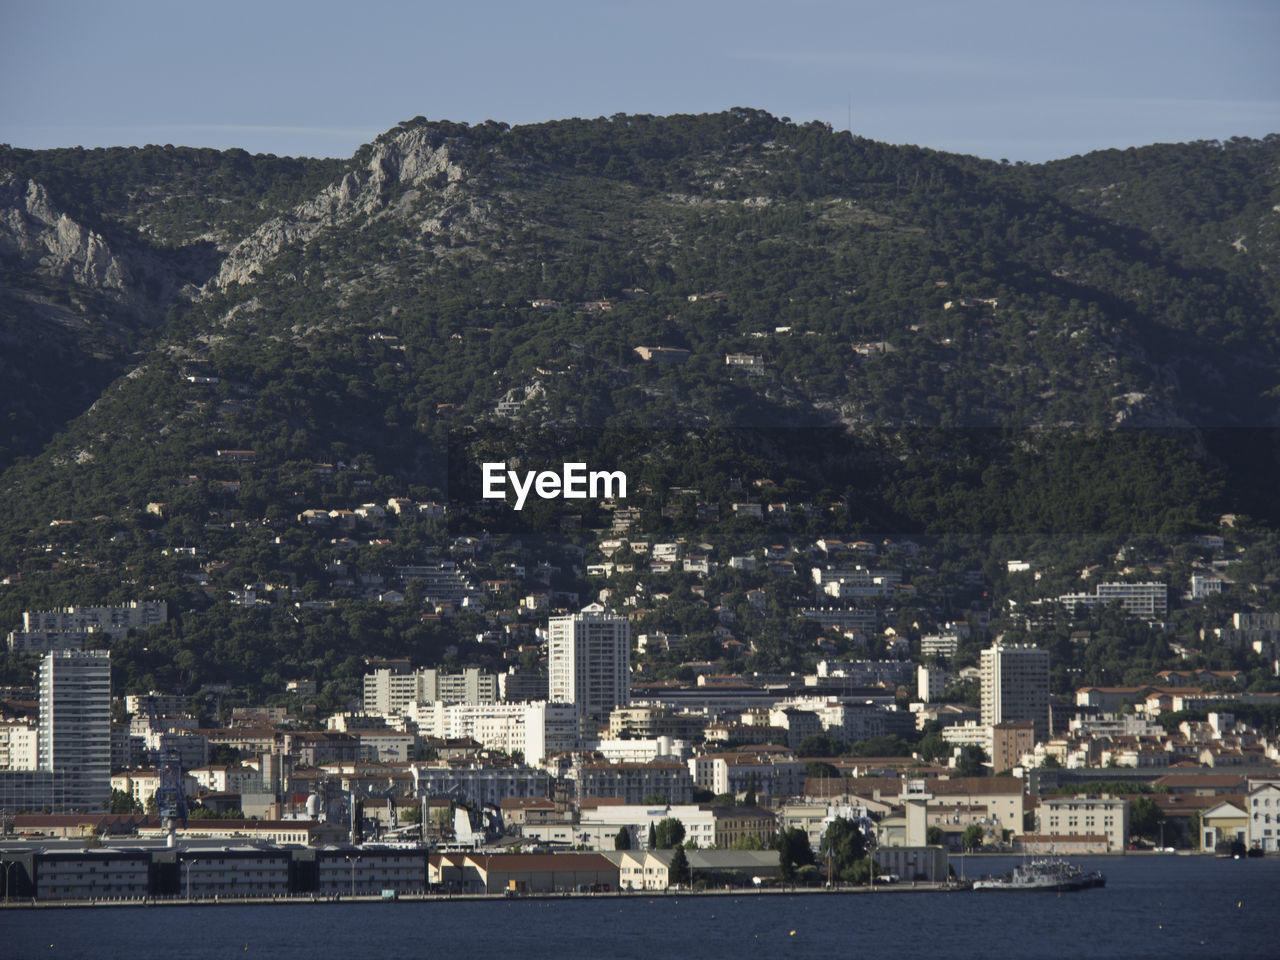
(1043, 874)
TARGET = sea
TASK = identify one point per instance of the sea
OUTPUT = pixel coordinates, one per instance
(1167, 907)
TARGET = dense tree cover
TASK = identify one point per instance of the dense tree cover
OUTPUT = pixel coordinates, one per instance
(1144, 818)
(172, 194)
(1096, 293)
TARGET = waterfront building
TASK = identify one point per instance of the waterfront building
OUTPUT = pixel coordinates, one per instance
(1262, 804)
(1100, 821)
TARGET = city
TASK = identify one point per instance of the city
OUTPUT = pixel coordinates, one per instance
(579, 768)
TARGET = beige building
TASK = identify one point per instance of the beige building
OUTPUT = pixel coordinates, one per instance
(533, 873)
(1085, 816)
(737, 824)
(1224, 823)
(1001, 797)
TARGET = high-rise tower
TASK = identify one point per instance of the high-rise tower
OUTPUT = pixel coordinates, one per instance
(74, 737)
(1015, 686)
(589, 661)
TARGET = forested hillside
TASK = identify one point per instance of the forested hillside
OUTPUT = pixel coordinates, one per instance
(911, 341)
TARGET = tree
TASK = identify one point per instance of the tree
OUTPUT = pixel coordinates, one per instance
(679, 868)
(818, 745)
(653, 837)
(970, 762)
(623, 840)
(843, 845)
(933, 836)
(122, 802)
(1144, 818)
(932, 746)
(668, 833)
(973, 836)
(794, 851)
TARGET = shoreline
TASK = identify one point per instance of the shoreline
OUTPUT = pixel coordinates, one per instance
(368, 898)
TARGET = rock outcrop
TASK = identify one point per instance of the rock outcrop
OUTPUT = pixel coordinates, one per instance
(47, 241)
(415, 158)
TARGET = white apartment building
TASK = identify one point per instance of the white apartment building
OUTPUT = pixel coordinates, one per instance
(1149, 600)
(388, 693)
(743, 771)
(479, 784)
(536, 729)
(67, 628)
(589, 660)
(931, 683)
(944, 645)
(18, 745)
(1015, 686)
(699, 822)
(75, 724)
(1262, 805)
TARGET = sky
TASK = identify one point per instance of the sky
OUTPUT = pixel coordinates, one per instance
(1025, 80)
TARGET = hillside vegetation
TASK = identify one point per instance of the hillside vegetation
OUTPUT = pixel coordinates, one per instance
(929, 344)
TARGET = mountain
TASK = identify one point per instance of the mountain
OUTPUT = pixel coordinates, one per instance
(934, 342)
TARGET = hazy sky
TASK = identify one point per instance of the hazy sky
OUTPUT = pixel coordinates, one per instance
(1017, 79)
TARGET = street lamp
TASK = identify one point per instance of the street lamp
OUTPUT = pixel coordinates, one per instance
(188, 861)
(8, 865)
(353, 861)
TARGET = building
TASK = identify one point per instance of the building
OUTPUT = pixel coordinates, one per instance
(18, 745)
(589, 661)
(534, 729)
(943, 646)
(1224, 823)
(68, 627)
(75, 724)
(633, 782)
(1263, 808)
(387, 692)
(1147, 600)
(1015, 686)
(1101, 823)
(1009, 741)
(931, 683)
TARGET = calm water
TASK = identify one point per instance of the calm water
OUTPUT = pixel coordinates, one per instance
(1158, 907)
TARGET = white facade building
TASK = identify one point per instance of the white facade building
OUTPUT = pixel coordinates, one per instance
(589, 660)
(388, 693)
(75, 724)
(1262, 805)
(535, 729)
(1015, 686)
(18, 745)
